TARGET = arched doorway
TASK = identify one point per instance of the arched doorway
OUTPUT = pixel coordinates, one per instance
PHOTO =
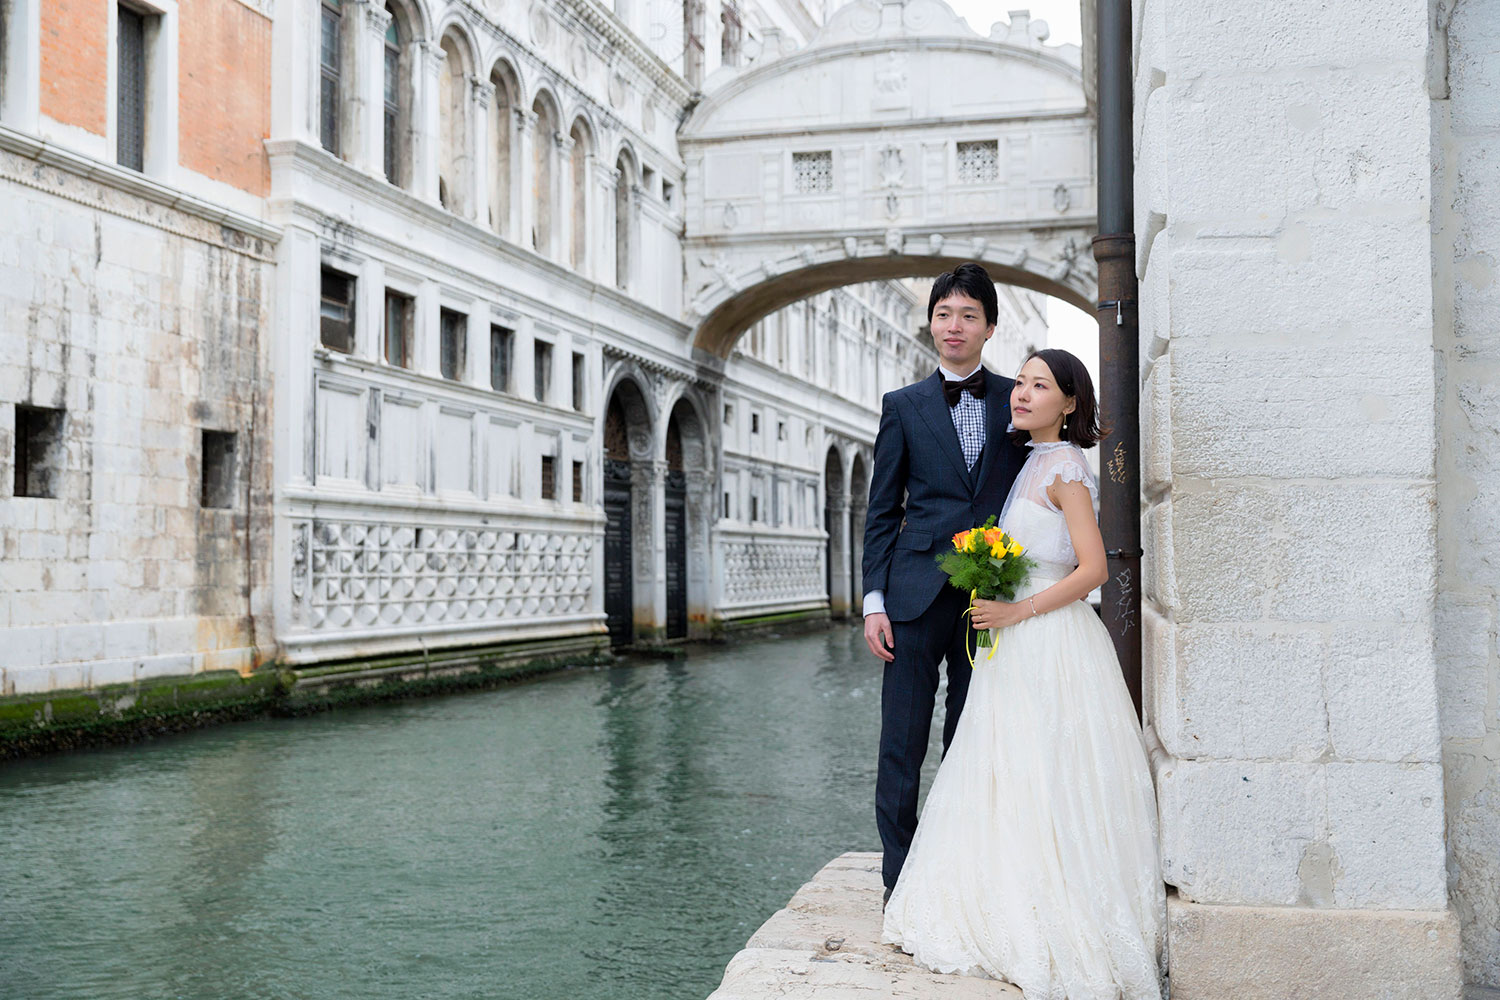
(619, 600)
(859, 501)
(627, 441)
(833, 524)
(675, 533)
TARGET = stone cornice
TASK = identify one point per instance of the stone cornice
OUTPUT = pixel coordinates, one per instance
(699, 378)
(130, 182)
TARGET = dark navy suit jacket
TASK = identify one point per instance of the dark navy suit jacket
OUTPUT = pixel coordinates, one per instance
(921, 492)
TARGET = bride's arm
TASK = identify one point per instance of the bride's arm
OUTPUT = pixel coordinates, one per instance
(1078, 508)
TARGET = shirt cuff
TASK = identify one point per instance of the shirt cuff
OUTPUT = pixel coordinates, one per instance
(875, 603)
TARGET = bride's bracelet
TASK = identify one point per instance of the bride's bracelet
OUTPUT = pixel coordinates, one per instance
(1032, 602)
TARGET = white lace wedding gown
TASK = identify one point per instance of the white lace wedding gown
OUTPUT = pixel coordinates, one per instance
(1035, 856)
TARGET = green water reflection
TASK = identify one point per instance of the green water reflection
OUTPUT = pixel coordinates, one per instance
(605, 833)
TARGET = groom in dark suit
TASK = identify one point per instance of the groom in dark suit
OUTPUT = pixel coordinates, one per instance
(943, 464)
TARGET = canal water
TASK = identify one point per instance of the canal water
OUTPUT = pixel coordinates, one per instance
(604, 833)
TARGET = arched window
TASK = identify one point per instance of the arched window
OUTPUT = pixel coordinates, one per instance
(579, 162)
(396, 91)
(503, 146)
(625, 167)
(453, 129)
(544, 151)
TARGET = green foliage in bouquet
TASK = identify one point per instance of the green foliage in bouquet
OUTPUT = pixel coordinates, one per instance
(986, 563)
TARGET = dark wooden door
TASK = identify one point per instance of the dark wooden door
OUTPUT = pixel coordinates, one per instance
(676, 539)
(619, 596)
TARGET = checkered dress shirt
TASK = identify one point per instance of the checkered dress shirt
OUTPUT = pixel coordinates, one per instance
(968, 420)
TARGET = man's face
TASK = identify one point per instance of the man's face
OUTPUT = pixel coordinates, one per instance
(959, 331)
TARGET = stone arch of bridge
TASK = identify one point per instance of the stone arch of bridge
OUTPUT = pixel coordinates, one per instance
(856, 159)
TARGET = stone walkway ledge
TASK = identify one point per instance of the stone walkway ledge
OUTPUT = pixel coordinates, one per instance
(826, 945)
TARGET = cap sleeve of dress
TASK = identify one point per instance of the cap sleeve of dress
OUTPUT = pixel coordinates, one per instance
(1069, 466)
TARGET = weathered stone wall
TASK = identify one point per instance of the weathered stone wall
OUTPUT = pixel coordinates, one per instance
(1466, 233)
(1283, 219)
(146, 326)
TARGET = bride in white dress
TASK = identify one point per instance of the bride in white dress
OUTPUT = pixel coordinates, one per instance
(1035, 857)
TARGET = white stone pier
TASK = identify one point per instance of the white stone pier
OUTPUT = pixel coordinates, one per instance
(825, 944)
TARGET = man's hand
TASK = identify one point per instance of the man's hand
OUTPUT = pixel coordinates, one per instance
(879, 637)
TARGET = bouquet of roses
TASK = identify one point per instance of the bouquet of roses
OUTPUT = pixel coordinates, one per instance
(987, 563)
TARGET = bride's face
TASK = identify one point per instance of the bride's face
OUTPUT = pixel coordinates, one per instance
(1037, 404)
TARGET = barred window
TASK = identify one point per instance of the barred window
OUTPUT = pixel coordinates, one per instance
(336, 311)
(398, 328)
(549, 478)
(329, 51)
(454, 347)
(979, 162)
(502, 354)
(542, 370)
(578, 482)
(812, 173)
(130, 106)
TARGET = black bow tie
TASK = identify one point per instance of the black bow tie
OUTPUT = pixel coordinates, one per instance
(974, 385)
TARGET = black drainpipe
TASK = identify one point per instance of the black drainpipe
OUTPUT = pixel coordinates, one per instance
(1114, 249)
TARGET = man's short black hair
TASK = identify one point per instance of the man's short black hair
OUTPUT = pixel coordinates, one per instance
(967, 279)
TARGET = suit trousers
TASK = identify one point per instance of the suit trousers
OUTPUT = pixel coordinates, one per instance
(907, 696)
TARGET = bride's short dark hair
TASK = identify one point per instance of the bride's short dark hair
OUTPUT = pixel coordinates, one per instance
(1073, 379)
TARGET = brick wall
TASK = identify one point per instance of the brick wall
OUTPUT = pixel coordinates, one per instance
(75, 62)
(224, 85)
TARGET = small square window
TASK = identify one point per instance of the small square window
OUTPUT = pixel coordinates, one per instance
(399, 310)
(755, 423)
(578, 482)
(726, 505)
(218, 469)
(669, 194)
(549, 478)
(755, 508)
(336, 311)
(648, 180)
(502, 358)
(454, 347)
(728, 414)
(979, 162)
(812, 173)
(39, 452)
(781, 430)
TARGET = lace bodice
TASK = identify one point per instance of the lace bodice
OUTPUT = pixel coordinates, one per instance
(1029, 515)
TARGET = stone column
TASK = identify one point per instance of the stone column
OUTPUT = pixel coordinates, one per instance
(562, 216)
(523, 164)
(606, 177)
(648, 528)
(481, 93)
(701, 495)
(369, 140)
(1289, 653)
(838, 556)
(428, 60)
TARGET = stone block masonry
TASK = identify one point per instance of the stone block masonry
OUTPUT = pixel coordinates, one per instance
(1289, 315)
(139, 329)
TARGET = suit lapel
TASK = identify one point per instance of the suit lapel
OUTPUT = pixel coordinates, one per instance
(996, 412)
(939, 419)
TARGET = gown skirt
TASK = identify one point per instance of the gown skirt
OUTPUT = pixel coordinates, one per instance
(1035, 858)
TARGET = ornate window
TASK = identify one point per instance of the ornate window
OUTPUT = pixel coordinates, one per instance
(812, 173)
(979, 162)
